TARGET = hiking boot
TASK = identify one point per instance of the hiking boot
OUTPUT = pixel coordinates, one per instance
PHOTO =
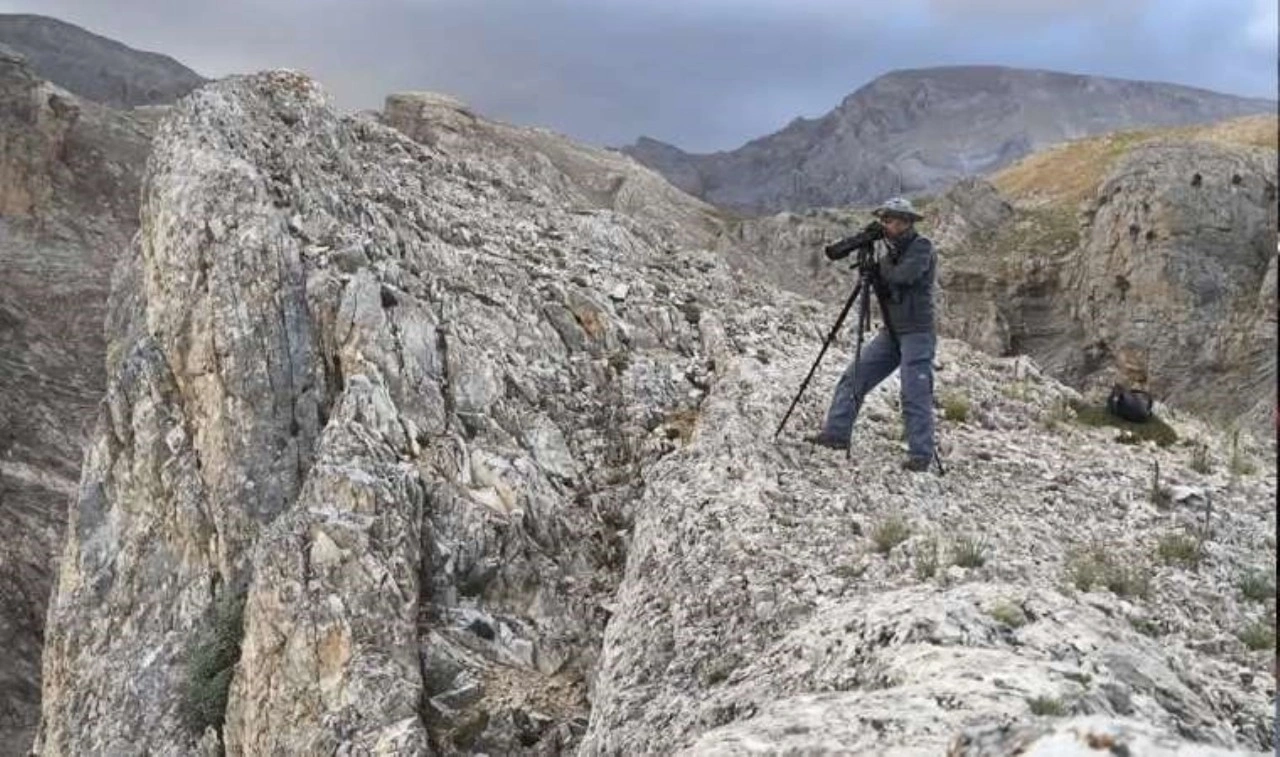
(916, 464)
(830, 442)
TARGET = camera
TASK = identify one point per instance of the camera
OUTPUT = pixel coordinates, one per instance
(862, 240)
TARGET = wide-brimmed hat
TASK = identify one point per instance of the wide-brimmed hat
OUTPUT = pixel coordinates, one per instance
(898, 206)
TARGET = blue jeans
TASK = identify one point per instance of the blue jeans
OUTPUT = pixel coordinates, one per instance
(880, 357)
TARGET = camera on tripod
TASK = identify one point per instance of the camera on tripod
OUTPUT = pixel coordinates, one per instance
(861, 242)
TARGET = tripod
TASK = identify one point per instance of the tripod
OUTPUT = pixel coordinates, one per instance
(869, 283)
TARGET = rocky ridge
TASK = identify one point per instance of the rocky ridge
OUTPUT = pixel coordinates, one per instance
(69, 176)
(488, 473)
(919, 130)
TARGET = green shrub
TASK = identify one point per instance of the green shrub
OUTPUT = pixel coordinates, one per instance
(1257, 586)
(210, 665)
(955, 407)
(1047, 706)
(889, 533)
(1087, 568)
(1259, 636)
(969, 552)
(1180, 549)
(1009, 614)
(926, 559)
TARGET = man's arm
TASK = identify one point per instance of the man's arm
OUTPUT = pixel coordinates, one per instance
(912, 265)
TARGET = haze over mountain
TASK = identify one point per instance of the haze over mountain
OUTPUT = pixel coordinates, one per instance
(917, 130)
(93, 66)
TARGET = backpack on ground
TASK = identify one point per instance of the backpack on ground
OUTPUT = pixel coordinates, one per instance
(1133, 405)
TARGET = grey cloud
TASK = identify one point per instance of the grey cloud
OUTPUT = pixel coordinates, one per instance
(703, 75)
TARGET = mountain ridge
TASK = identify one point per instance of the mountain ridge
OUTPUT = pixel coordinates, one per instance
(915, 130)
(94, 66)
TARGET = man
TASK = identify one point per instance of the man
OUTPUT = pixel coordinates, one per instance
(907, 266)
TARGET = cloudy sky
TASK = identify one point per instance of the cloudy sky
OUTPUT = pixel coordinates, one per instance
(702, 74)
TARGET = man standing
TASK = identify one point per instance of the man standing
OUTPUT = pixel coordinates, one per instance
(907, 267)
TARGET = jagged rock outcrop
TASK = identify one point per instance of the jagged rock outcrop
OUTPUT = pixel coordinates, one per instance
(582, 177)
(1160, 276)
(394, 394)
(490, 474)
(69, 177)
(94, 67)
(918, 130)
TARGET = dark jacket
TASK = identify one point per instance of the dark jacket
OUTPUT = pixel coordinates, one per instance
(909, 271)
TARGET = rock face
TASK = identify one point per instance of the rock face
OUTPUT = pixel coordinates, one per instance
(69, 178)
(379, 390)
(459, 466)
(95, 67)
(581, 177)
(918, 130)
(1161, 276)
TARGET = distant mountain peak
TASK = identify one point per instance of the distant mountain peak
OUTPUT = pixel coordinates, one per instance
(919, 129)
(93, 66)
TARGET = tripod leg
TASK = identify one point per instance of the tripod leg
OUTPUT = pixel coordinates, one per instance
(864, 316)
(831, 335)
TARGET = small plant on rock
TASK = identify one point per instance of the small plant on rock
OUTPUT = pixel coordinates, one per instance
(1047, 706)
(1257, 586)
(1018, 389)
(969, 552)
(210, 664)
(1009, 614)
(1059, 414)
(955, 407)
(1145, 626)
(1096, 566)
(1180, 549)
(1259, 636)
(1129, 580)
(926, 559)
(889, 533)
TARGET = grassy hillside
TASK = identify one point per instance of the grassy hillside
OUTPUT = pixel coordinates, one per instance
(1070, 172)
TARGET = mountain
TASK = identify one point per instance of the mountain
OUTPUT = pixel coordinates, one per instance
(917, 130)
(94, 67)
(421, 445)
(1147, 257)
(70, 173)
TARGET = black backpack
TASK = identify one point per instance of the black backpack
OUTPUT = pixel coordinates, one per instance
(1133, 405)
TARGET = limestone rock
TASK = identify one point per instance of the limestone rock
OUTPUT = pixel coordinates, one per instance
(431, 445)
(763, 616)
